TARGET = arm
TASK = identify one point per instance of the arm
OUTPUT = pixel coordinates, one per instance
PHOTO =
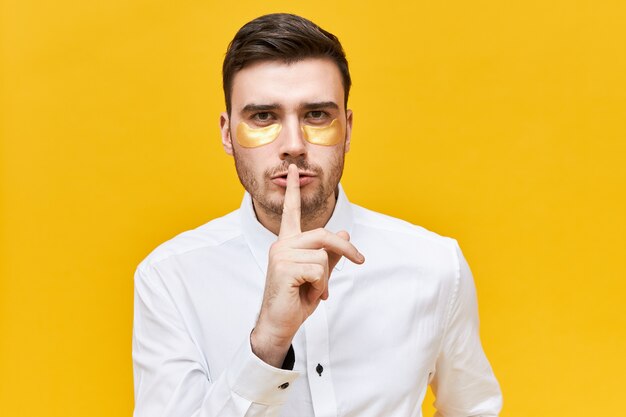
(172, 377)
(298, 271)
(463, 383)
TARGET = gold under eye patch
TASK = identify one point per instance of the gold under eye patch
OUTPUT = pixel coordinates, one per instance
(249, 137)
(324, 135)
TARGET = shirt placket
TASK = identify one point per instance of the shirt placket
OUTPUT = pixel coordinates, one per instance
(318, 363)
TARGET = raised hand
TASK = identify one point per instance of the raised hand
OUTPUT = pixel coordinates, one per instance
(297, 276)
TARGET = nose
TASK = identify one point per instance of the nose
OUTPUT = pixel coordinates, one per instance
(291, 141)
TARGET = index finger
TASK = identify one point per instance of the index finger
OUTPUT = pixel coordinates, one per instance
(290, 222)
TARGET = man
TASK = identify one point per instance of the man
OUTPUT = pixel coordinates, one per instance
(273, 310)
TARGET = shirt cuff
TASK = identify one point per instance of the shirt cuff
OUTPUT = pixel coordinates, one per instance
(257, 381)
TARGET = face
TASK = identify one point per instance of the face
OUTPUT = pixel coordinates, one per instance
(296, 102)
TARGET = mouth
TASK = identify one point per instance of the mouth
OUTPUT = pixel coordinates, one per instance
(302, 174)
(305, 178)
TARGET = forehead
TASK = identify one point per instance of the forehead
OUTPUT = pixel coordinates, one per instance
(276, 82)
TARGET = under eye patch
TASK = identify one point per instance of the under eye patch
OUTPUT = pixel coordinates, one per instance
(324, 135)
(249, 137)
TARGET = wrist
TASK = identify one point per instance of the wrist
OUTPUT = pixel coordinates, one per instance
(269, 348)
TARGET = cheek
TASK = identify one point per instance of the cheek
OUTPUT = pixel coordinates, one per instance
(252, 160)
(329, 159)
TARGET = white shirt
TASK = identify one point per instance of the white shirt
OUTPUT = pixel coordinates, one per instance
(405, 318)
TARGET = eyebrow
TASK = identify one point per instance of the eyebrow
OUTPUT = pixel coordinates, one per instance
(320, 105)
(250, 108)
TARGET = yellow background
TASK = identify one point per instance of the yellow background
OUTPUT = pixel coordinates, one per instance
(502, 124)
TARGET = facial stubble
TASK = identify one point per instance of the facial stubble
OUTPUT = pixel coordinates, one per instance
(313, 205)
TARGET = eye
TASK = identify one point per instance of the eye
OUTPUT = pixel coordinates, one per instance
(317, 117)
(262, 117)
(317, 114)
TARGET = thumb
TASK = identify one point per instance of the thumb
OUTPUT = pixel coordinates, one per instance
(333, 258)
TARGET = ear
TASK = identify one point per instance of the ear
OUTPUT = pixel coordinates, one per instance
(348, 129)
(227, 141)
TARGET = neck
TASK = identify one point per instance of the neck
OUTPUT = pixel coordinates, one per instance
(315, 220)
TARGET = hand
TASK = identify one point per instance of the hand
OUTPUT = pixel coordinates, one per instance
(297, 276)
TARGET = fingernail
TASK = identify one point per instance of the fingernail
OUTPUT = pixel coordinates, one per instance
(361, 257)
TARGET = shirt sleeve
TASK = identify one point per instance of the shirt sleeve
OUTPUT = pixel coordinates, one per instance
(463, 382)
(170, 374)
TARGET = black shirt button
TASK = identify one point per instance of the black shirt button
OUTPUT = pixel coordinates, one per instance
(284, 386)
(319, 369)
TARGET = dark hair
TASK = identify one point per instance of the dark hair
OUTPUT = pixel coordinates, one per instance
(281, 37)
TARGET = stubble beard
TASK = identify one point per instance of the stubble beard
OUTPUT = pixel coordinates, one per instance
(313, 204)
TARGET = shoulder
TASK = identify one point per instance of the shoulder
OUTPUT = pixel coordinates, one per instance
(393, 241)
(382, 223)
(213, 234)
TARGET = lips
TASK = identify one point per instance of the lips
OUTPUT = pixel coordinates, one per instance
(301, 174)
(280, 179)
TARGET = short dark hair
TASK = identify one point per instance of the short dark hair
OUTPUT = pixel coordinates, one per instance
(281, 37)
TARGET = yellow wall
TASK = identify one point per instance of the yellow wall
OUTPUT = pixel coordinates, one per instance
(500, 123)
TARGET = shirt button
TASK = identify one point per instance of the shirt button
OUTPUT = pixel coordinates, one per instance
(283, 386)
(319, 369)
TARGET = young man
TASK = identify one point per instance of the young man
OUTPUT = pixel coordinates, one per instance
(273, 310)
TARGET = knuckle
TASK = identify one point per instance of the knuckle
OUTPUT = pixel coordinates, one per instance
(325, 237)
(318, 271)
(275, 247)
(281, 268)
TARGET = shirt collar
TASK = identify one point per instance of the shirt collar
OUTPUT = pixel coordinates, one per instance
(260, 239)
